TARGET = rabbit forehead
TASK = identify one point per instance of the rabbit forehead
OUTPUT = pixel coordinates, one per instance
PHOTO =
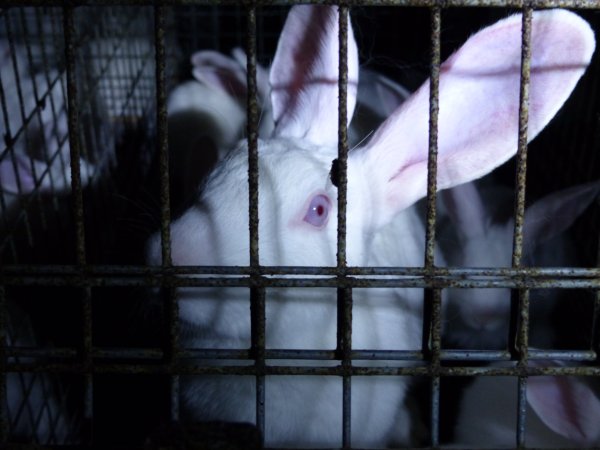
(290, 174)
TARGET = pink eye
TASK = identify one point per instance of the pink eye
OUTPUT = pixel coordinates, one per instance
(318, 211)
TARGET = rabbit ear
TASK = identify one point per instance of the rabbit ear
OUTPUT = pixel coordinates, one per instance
(567, 406)
(479, 106)
(262, 74)
(466, 209)
(555, 213)
(219, 71)
(304, 75)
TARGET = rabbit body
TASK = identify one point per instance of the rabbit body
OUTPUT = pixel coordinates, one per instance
(298, 219)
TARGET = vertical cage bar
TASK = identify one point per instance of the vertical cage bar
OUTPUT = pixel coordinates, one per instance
(174, 397)
(595, 343)
(436, 332)
(87, 355)
(519, 211)
(521, 411)
(170, 299)
(74, 141)
(344, 347)
(257, 293)
(4, 429)
(433, 312)
(434, 96)
(519, 208)
(519, 214)
(344, 295)
(258, 323)
(162, 134)
(342, 164)
(252, 130)
(77, 195)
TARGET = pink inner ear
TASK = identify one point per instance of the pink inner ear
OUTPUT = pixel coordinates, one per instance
(567, 406)
(220, 72)
(304, 75)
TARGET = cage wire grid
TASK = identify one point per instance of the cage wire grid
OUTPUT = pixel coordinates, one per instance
(147, 100)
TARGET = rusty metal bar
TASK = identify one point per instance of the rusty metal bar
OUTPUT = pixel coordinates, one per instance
(156, 354)
(521, 411)
(162, 135)
(252, 130)
(344, 296)
(521, 157)
(342, 161)
(74, 141)
(536, 4)
(170, 296)
(344, 353)
(433, 312)
(478, 273)
(317, 370)
(595, 343)
(434, 96)
(257, 293)
(4, 425)
(522, 338)
(257, 351)
(70, 36)
(456, 279)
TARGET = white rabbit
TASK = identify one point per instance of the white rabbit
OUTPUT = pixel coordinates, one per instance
(39, 158)
(562, 411)
(479, 318)
(479, 92)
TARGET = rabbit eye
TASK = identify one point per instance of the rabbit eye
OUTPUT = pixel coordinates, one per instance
(318, 211)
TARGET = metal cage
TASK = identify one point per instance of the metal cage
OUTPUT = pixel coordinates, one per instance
(91, 332)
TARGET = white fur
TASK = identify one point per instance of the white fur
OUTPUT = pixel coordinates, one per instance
(386, 177)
